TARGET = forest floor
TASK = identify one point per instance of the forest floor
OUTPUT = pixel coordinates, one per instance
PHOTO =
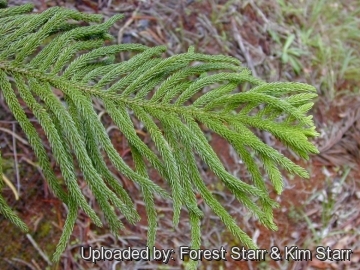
(316, 42)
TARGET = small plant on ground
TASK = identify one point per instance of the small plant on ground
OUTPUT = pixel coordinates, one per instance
(329, 34)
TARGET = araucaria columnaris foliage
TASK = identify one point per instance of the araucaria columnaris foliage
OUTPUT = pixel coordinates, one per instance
(172, 97)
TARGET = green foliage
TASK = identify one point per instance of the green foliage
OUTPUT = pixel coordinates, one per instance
(327, 41)
(289, 53)
(171, 97)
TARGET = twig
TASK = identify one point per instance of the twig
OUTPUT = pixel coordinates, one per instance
(42, 254)
(244, 50)
(21, 261)
(36, 264)
(13, 133)
(128, 22)
(11, 186)
(16, 160)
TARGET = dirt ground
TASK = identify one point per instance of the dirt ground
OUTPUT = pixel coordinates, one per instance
(320, 211)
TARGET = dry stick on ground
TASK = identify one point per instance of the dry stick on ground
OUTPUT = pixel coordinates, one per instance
(14, 134)
(126, 25)
(342, 140)
(16, 162)
(20, 261)
(42, 254)
(244, 50)
(204, 20)
(338, 130)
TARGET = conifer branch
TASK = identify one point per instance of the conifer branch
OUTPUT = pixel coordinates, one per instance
(169, 96)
